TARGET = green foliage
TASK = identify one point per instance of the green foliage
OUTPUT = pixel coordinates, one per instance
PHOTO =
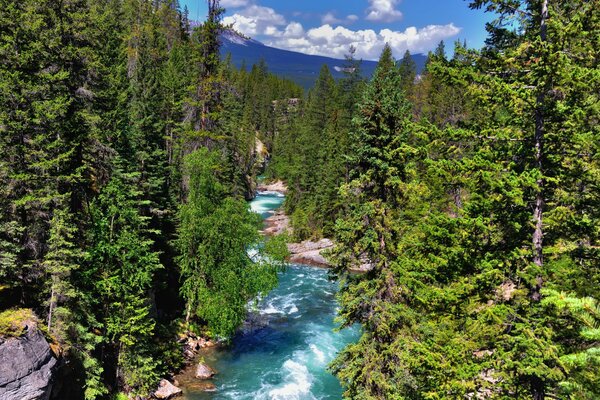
(59, 263)
(476, 205)
(99, 104)
(12, 321)
(44, 72)
(215, 235)
(121, 269)
(311, 152)
(583, 381)
(408, 73)
(459, 303)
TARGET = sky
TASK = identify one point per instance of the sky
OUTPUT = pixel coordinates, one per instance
(330, 27)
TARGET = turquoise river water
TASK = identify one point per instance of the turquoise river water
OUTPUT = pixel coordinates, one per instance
(284, 349)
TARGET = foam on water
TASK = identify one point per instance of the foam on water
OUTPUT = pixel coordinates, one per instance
(265, 204)
(270, 193)
(297, 383)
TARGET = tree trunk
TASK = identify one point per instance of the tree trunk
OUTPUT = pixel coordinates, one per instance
(538, 234)
(537, 385)
(51, 307)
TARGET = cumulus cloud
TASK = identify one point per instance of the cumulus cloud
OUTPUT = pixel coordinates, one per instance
(234, 3)
(332, 41)
(383, 11)
(293, 30)
(256, 20)
(332, 38)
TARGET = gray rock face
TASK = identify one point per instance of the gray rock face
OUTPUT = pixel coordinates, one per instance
(26, 367)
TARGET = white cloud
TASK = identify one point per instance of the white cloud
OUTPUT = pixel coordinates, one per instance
(256, 20)
(419, 40)
(234, 3)
(294, 30)
(330, 19)
(383, 11)
(332, 38)
(335, 42)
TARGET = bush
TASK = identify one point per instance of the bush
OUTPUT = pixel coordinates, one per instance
(13, 321)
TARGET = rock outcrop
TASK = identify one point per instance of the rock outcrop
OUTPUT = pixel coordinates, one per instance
(166, 390)
(277, 224)
(309, 252)
(203, 371)
(27, 366)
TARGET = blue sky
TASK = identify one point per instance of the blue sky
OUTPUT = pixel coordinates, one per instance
(330, 27)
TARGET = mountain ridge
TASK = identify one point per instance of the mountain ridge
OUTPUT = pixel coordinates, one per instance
(299, 67)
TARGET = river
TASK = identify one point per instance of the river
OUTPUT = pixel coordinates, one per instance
(284, 352)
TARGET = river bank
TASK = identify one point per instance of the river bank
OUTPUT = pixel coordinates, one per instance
(308, 252)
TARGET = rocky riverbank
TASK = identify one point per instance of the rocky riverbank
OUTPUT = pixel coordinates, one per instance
(277, 186)
(307, 252)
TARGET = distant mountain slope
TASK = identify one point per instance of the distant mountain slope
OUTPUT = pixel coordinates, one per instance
(301, 68)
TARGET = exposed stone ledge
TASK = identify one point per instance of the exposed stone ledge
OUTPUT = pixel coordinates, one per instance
(277, 186)
(27, 366)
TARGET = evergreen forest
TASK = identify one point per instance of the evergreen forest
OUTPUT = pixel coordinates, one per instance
(129, 148)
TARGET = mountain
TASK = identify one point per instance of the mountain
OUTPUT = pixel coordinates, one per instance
(301, 68)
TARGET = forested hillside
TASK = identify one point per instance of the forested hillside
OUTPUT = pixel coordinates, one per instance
(473, 193)
(128, 149)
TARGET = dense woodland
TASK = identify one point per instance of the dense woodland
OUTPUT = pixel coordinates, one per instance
(473, 191)
(129, 148)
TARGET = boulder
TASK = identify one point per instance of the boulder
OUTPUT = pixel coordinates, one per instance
(203, 371)
(27, 366)
(277, 224)
(309, 252)
(166, 390)
(209, 387)
(201, 386)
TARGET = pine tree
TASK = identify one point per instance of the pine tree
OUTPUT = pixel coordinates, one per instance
(469, 316)
(204, 104)
(44, 95)
(367, 233)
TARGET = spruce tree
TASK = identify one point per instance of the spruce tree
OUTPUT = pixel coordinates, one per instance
(44, 95)
(118, 278)
(474, 313)
(367, 233)
(408, 74)
(62, 258)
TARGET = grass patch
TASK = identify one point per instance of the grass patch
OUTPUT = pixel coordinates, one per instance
(12, 322)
